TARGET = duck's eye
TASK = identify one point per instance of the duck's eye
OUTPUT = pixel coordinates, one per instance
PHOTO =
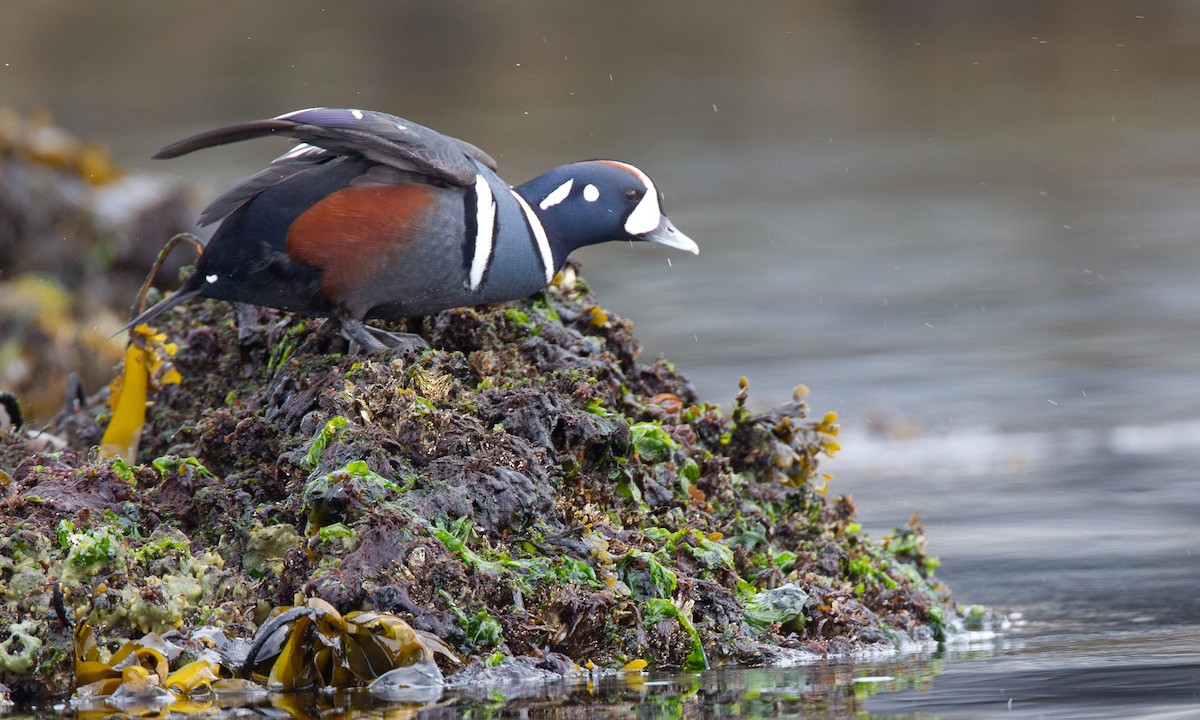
(632, 195)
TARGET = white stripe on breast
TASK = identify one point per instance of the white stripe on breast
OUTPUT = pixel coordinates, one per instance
(485, 230)
(539, 234)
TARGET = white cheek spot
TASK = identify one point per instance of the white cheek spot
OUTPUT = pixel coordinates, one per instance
(210, 279)
(358, 114)
(591, 193)
(557, 195)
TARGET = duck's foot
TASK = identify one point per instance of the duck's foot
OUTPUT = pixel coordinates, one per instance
(364, 338)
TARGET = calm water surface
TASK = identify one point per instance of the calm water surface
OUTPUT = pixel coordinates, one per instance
(970, 228)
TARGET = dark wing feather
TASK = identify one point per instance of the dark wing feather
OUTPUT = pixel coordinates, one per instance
(418, 142)
(222, 136)
(378, 137)
(240, 194)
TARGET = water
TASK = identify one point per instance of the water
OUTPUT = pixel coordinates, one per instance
(970, 228)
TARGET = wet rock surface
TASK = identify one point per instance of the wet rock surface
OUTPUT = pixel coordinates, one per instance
(524, 488)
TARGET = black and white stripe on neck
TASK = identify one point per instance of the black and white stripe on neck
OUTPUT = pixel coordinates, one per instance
(541, 243)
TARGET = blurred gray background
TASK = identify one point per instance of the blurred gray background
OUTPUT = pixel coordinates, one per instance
(969, 227)
(957, 213)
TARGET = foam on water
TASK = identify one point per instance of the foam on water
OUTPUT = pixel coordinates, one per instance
(981, 450)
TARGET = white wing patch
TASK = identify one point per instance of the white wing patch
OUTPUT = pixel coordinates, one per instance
(287, 115)
(539, 234)
(300, 150)
(485, 230)
(557, 195)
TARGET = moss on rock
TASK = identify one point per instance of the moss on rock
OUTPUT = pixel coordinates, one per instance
(525, 485)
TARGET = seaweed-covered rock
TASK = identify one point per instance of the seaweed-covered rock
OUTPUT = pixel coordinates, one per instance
(523, 488)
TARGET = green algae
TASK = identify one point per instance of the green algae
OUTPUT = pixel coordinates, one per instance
(340, 534)
(172, 466)
(660, 609)
(482, 630)
(652, 442)
(90, 551)
(321, 440)
(783, 606)
(510, 491)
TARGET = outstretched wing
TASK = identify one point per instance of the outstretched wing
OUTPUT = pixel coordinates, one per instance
(326, 133)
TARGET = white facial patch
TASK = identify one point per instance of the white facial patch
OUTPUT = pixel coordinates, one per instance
(210, 279)
(557, 195)
(647, 215)
(591, 193)
(539, 235)
(485, 230)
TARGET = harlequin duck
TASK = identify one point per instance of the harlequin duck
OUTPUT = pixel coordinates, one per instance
(374, 216)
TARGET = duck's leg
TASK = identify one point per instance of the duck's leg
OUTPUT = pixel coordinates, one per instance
(397, 339)
(365, 338)
(361, 340)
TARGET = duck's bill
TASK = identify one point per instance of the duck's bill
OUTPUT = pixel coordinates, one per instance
(666, 234)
